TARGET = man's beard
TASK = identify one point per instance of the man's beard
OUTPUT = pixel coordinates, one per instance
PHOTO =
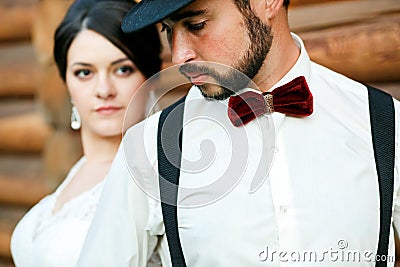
(239, 75)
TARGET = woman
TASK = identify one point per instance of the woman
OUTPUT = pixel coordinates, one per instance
(102, 68)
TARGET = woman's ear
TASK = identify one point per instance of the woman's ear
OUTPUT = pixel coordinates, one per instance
(272, 7)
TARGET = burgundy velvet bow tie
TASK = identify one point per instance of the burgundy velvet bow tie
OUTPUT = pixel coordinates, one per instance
(293, 98)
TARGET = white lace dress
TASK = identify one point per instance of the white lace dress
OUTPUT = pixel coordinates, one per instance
(44, 239)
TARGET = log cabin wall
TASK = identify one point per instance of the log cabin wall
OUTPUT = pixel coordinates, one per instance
(23, 131)
(360, 39)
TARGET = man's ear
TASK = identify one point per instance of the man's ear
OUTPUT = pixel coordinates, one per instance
(272, 7)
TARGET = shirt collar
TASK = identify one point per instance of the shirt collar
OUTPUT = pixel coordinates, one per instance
(302, 67)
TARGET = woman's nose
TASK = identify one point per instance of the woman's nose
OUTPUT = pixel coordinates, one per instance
(104, 87)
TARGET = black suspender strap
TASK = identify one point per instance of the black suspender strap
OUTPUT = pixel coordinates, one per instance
(169, 148)
(381, 110)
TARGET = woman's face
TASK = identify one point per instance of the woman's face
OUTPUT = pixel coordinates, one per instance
(101, 80)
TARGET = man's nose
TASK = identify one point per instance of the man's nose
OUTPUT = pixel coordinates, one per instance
(182, 48)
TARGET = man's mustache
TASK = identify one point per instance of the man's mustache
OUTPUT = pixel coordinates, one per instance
(196, 68)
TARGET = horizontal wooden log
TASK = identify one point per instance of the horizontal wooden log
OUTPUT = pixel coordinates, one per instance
(19, 71)
(23, 133)
(295, 3)
(5, 239)
(17, 80)
(323, 15)
(16, 19)
(23, 192)
(368, 52)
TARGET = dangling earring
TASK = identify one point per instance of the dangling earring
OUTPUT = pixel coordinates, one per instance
(75, 119)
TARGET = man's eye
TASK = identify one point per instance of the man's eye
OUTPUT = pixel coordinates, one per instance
(196, 26)
(82, 73)
(165, 27)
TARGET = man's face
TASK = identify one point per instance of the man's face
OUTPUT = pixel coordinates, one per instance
(216, 31)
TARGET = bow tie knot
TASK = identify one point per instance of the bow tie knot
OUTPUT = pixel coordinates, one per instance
(293, 99)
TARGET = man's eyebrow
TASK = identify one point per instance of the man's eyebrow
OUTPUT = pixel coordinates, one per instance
(187, 14)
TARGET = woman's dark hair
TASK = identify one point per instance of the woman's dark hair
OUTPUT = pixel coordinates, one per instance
(105, 17)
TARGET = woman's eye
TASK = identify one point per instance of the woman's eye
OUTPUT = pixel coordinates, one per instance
(196, 26)
(125, 70)
(82, 73)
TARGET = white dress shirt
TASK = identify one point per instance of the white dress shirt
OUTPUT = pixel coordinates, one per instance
(279, 191)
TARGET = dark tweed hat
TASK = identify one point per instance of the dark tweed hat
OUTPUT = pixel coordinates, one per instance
(148, 12)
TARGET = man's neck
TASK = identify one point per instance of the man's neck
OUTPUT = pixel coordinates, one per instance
(283, 55)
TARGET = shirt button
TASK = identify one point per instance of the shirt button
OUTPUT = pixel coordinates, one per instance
(275, 149)
(283, 208)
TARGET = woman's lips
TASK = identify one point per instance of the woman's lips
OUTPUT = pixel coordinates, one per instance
(108, 110)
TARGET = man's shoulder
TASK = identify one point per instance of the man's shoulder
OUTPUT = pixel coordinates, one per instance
(142, 136)
(345, 88)
(322, 72)
(148, 124)
(324, 78)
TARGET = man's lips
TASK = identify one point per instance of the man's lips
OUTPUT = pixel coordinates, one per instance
(197, 78)
(108, 110)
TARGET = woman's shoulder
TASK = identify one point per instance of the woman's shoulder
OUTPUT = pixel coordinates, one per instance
(40, 212)
(25, 229)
